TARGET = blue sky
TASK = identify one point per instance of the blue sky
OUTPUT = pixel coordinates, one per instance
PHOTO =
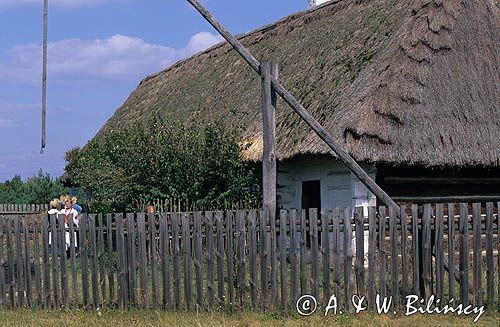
(98, 52)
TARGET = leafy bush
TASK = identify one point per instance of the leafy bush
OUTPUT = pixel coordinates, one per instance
(200, 165)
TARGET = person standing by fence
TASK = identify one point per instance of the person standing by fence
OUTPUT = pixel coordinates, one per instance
(75, 205)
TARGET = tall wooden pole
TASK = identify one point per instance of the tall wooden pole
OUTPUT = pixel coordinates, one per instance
(299, 109)
(44, 73)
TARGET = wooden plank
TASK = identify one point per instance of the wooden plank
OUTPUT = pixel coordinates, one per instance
(464, 255)
(269, 173)
(219, 254)
(303, 252)
(143, 264)
(415, 250)
(360, 254)
(325, 251)
(186, 238)
(100, 257)
(45, 261)
(478, 261)
(62, 261)
(55, 273)
(154, 259)
(230, 257)
(176, 254)
(252, 252)
(274, 263)
(490, 273)
(299, 109)
(2, 264)
(111, 274)
(82, 226)
(36, 261)
(94, 267)
(383, 252)
(209, 232)
(336, 254)
(10, 261)
(198, 261)
(27, 263)
(241, 240)
(451, 251)
(372, 240)
(72, 253)
(439, 231)
(165, 262)
(394, 256)
(20, 262)
(132, 260)
(427, 251)
(404, 251)
(293, 256)
(121, 271)
(498, 248)
(283, 266)
(348, 278)
(313, 221)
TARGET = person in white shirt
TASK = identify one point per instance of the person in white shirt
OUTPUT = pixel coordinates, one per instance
(70, 215)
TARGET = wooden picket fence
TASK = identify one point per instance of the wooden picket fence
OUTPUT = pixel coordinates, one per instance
(235, 260)
(9, 209)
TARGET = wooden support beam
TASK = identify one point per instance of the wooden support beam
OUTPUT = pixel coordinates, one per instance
(298, 108)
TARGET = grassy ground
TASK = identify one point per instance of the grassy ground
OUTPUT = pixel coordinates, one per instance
(153, 318)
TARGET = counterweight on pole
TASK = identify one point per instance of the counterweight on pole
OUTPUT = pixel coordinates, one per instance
(44, 73)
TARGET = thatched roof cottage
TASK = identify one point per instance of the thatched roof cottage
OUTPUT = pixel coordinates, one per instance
(410, 88)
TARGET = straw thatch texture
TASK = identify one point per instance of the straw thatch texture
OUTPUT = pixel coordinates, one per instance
(400, 82)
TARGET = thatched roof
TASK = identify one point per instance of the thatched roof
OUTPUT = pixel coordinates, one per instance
(394, 81)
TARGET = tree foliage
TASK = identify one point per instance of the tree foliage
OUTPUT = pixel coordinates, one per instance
(199, 164)
(40, 188)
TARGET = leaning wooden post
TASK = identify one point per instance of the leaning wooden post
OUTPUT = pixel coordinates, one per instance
(269, 98)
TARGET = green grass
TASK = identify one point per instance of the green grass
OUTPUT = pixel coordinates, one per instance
(181, 318)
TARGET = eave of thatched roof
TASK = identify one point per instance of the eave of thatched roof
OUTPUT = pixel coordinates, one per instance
(394, 81)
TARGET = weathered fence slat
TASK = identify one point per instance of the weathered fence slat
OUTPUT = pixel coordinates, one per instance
(490, 287)
(478, 261)
(198, 261)
(313, 220)
(372, 230)
(55, 274)
(209, 232)
(111, 274)
(325, 249)
(348, 282)
(45, 261)
(27, 263)
(176, 253)
(186, 238)
(383, 253)
(451, 251)
(360, 254)
(230, 258)
(154, 259)
(165, 262)
(252, 259)
(62, 260)
(121, 249)
(2, 263)
(282, 251)
(464, 255)
(415, 249)
(220, 260)
(10, 261)
(72, 253)
(394, 256)
(439, 231)
(293, 255)
(82, 225)
(274, 264)
(303, 252)
(336, 254)
(131, 258)
(100, 256)
(241, 237)
(141, 236)
(427, 251)
(93, 255)
(498, 248)
(404, 251)
(20, 262)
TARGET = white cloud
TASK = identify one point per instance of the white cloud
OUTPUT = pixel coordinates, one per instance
(55, 3)
(7, 123)
(119, 57)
